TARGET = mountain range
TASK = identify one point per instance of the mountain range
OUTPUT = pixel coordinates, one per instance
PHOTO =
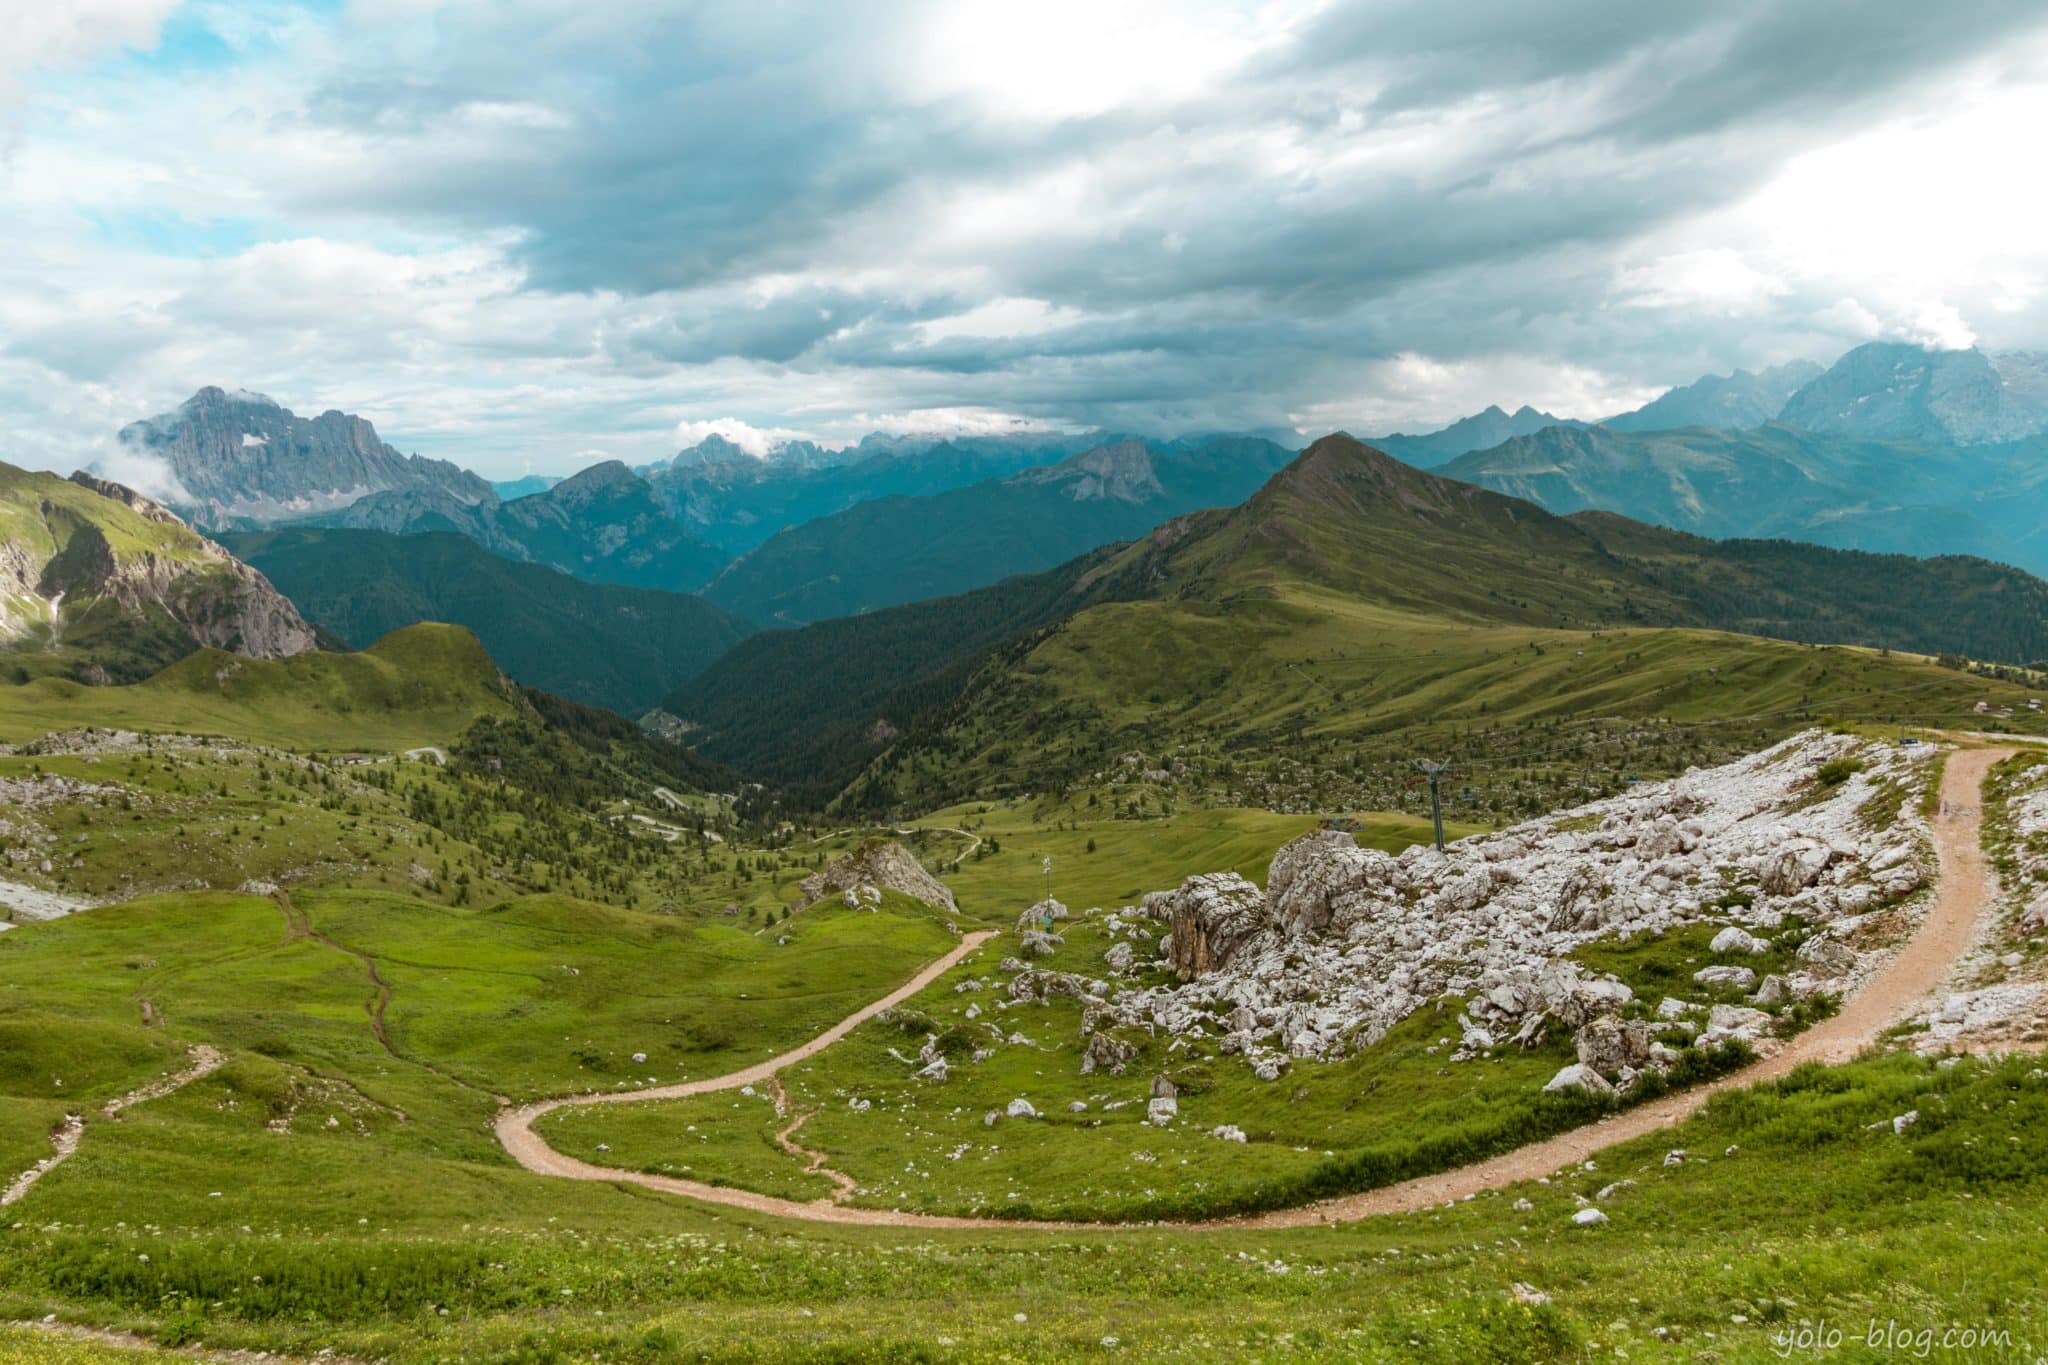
(1477, 432)
(1907, 497)
(602, 524)
(735, 500)
(240, 459)
(1885, 391)
(1844, 456)
(898, 549)
(1738, 401)
(1348, 576)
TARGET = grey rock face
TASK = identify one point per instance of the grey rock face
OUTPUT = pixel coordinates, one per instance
(242, 459)
(1898, 391)
(1211, 913)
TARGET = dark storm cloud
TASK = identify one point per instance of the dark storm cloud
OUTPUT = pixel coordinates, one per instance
(797, 214)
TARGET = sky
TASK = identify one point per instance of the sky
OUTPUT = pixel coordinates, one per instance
(528, 234)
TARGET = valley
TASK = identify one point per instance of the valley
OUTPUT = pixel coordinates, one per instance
(1065, 961)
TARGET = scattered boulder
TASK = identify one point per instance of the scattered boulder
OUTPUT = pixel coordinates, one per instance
(1042, 915)
(1036, 943)
(1580, 1078)
(1610, 1045)
(1228, 1132)
(1735, 1021)
(1589, 1218)
(1827, 958)
(1161, 1110)
(1106, 1052)
(1120, 957)
(1035, 984)
(1313, 877)
(1737, 978)
(1020, 1108)
(1738, 940)
(1794, 867)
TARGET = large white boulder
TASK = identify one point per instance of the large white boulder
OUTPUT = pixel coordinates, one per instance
(1738, 940)
(1738, 978)
(1579, 1078)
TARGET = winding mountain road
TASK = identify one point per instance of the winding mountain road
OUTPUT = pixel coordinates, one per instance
(1916, 970)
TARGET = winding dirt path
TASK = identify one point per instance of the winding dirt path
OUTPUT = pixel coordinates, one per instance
(299, 925)
(844, 1185)
(201, 1060)
(1917, 969)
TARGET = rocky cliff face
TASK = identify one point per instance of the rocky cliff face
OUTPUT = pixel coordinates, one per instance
(240, 459)
(87, 550)
(1122, 472)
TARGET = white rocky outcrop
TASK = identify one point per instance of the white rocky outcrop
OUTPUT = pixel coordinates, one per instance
(1347, 942)
(2027, 814)
(883, 864)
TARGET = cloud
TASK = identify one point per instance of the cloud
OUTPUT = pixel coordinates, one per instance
(148, 474)
(44, 36)
(517, 231)
(752, 439)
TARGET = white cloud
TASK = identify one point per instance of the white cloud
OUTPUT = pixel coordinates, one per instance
(1714, 278)
(756, 441)
(1413, 392)
(1065, 59)
(979, 217)
(149, 475)
(1007, 317)
(76, 31)
(951, 421)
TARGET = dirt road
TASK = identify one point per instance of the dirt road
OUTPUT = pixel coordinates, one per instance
(1916, 970)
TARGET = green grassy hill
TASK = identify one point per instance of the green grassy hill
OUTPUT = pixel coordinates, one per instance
(422, 685)
(1951, 604)
(807, 709)
(1354, 613)
(335, 1185)
(100, 584)
(617, 647)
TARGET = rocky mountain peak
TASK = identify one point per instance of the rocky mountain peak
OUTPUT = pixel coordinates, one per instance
(242, 459)
(1897, 391)
(1122, 471)
(606, 476)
